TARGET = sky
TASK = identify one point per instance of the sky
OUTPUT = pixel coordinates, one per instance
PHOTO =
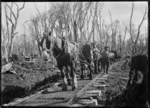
(119, 10)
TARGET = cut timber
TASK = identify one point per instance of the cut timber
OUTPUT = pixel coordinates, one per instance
(77, 105)
(88, 102)
(6, 68)
(101, 85)
(94, 92)
(104, 76)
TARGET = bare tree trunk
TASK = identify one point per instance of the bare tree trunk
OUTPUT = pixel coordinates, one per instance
(134, 49)
(12, 17)
(75, 32)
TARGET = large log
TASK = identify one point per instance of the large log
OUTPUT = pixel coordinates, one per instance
(6, 67)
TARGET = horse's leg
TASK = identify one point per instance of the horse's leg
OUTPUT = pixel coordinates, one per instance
(107, 66)
(89, 66)
(82, 69)
(74, 77)
(99, 65)
(95, 66)
(103, 66)
(68, 76)
(64, 85)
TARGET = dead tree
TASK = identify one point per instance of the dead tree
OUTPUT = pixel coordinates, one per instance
(99, 23)
(81, 14)
(93, 22)
(11, 24)
(134, 51)
(123, 41)
(106, 34)
(113, 26)
(37, 34)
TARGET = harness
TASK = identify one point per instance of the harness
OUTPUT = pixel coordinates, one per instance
(60, 52)
(85, 61)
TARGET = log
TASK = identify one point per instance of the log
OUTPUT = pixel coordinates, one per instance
(6, 67)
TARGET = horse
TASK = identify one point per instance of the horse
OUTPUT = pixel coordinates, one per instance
(138, 79)
(85, 58)
(65, 54)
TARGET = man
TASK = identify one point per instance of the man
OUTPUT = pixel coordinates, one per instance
(105, 60)
(45, 45)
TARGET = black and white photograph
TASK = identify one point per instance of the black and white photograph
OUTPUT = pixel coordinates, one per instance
(74, 54)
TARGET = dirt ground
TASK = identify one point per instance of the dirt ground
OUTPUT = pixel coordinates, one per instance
(29, 76)
(35, 72)
(117, 80)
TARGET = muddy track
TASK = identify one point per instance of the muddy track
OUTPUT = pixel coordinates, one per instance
(52, 94)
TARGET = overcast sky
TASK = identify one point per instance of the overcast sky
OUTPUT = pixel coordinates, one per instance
(119, 10)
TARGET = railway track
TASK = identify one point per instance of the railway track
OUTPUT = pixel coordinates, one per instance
(87, 94)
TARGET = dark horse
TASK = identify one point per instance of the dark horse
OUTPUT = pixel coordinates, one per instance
(138, 80)
(65, 54)
(86, 57)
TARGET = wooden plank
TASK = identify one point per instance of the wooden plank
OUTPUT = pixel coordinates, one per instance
(81, 91)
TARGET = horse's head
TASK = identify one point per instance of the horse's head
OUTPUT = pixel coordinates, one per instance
(57, 46)
(47, 39)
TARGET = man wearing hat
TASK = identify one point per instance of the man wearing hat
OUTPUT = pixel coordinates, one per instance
(45, 45)
(105, 60)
